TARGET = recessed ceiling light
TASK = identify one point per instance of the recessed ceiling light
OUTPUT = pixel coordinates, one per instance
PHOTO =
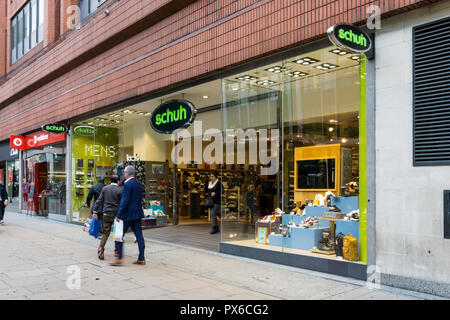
(266, 82)
(354, 58)
(275, 69)
(306, 61)
(339, 52)
(326, 66)
(205, 97)
(246, 77)
(330, 129)
(297, 74)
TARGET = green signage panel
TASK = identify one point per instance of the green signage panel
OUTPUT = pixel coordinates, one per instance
(54, 128)
(172, 115)
(350, 38)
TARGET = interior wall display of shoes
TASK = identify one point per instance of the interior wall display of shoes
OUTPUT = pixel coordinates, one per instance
(140, 175)
(157, 183)
(191, 181)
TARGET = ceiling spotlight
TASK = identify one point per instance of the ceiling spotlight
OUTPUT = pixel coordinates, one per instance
(148, 113)
(205, 97)
(330, 129)
(306, 61)
(275, 69)
(354, 58)
(339, 52)
(297, 74)
(344, 140)
(326, 66)
(266, 82)
(246, 77)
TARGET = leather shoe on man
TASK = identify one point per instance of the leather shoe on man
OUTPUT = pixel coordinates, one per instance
(116, 262)
(141, 262)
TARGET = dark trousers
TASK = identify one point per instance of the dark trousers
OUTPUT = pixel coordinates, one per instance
(215, 210)
(2, 211)
(137, 230)
(108, 222)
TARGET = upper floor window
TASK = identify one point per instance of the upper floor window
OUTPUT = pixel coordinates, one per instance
(88, 7)
(27, 29)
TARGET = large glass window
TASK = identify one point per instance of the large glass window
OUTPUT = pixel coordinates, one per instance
(88, 7)
(27, 29)
(14, 40)
(313, 101)
(44, 178)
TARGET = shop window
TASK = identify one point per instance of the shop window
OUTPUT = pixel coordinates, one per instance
(313, 100)
(431, 115)
(44, 175)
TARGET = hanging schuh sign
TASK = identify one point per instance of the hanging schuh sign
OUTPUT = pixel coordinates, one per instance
(350, 38)
(172, 115)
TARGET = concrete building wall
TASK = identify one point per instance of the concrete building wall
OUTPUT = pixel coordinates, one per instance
(409, 200)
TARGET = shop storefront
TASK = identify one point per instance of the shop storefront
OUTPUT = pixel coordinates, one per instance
(9, 170)
(308, 107)
(43, 173)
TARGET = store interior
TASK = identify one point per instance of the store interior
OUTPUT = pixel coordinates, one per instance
(312, 99)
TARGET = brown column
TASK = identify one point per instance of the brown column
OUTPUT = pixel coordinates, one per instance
(66, 13)
(51, 20)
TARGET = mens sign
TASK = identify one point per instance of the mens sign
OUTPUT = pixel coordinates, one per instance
(172, 115)
(350, 38)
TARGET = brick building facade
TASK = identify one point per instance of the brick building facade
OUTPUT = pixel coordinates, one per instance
(144, 46)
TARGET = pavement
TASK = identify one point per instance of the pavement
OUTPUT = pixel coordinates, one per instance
(45, 259)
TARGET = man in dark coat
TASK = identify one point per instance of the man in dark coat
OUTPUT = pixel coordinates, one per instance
(3, 202)
(131, 213)
(109, 201)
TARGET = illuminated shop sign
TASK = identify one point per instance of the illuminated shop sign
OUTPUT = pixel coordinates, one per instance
(172, 115)
(54, 128)
(350, 38)
(35, 140)
(85, 131)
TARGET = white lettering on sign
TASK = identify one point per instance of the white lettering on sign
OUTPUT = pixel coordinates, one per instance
(97, 150)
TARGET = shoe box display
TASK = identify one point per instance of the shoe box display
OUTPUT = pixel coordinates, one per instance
(270, 224)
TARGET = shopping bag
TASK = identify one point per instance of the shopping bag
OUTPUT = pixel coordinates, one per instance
(87, 225)
(118, 231)
(95, 228)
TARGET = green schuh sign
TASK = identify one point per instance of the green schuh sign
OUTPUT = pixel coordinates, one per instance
(54, 128)
(172, 115)
(350, 38)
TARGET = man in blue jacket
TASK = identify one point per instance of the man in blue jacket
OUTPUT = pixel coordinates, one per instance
(131, 213)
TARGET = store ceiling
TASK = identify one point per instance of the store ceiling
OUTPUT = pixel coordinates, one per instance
(260, 80)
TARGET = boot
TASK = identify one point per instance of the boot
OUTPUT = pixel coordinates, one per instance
(215, 230)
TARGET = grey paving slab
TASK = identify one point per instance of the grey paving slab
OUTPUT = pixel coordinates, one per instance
(37, 252)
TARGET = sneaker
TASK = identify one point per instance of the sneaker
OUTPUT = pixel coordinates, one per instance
(2, 222)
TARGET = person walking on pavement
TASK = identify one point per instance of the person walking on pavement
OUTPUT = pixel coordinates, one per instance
(131, 213)
(109, 201)
(213, 189)
(3, 202)
(94, 193)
